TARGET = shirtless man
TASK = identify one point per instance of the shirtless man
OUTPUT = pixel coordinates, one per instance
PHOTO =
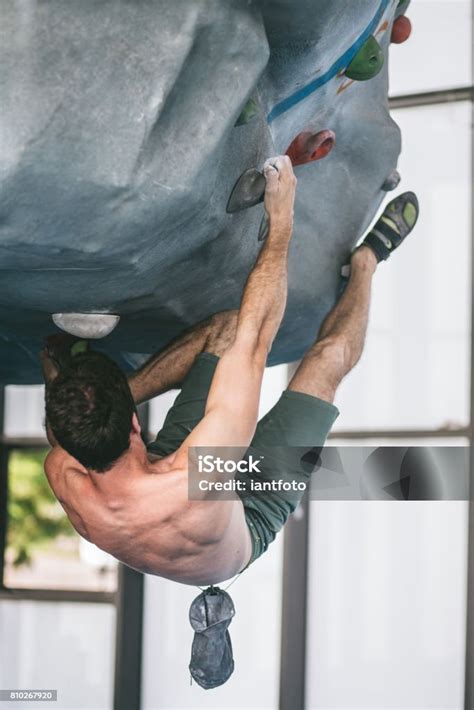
(132, 501)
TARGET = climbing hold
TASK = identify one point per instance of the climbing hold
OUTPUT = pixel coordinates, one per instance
(249, 111)
(401, 30)
(368, 61)
(248, 191)
(79, 347)
(62, 347)
(308, 146)
(264, 228)
(86, 325)
(392, 181)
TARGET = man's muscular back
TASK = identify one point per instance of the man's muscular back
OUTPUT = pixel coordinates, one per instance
(137, 509)
(142, 516)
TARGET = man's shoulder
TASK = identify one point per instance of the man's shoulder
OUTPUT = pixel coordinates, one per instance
(57, 464)
(55, 458)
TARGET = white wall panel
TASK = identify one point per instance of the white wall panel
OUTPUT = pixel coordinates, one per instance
(387, 596)
(437, 54)
(68, 647)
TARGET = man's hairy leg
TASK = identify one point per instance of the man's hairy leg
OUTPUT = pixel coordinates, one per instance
(167, 369)
(342, 335)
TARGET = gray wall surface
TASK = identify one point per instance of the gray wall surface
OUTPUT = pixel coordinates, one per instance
(119, 151)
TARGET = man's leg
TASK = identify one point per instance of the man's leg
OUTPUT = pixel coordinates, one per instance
(341, 338)
(167, 369)
(190, 363)
(289, 438)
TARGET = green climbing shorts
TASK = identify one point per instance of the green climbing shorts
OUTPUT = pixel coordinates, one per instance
(287, 438)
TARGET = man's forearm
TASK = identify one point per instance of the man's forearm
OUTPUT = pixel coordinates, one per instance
(263, 301)
(262, 308)
(264, 298)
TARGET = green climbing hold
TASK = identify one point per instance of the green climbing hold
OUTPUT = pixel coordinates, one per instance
(250, 111)
(368, 61)
(80, 346)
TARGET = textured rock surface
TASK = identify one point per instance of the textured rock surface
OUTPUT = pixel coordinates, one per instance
(119, 151)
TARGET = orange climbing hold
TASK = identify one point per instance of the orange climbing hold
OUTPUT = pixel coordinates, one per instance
(308, 146)
(401, 30)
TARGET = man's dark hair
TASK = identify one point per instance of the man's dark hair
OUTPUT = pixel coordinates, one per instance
(89, 408)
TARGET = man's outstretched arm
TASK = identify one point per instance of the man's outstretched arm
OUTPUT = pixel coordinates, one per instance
(264, 298)
(167, 368)
(232, 404)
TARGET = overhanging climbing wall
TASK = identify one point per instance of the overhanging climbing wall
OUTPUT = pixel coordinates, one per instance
(124, 128)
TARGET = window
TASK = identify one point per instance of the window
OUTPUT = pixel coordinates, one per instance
(40, 550)
(414, 373)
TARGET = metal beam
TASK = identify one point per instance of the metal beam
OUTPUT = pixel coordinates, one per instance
(24, 442)
(294, 610)
(432, 98)
(56, 595)
(129, 624)
(463, 432)
(128, 645)
(469, 666)
(3, 490)
(143, 411)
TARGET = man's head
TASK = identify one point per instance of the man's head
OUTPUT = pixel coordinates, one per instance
(89, 408)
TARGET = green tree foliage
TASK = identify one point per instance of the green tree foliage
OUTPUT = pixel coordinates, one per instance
(34, 515)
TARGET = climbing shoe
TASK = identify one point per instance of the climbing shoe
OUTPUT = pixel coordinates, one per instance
(395, 224)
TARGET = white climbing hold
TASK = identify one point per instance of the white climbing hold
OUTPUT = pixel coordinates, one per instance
(86, 325)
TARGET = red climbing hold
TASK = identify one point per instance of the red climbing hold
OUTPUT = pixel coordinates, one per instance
(401, 30)
(308, 146)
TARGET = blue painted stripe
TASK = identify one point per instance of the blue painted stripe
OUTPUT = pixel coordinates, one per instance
(339, 65)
